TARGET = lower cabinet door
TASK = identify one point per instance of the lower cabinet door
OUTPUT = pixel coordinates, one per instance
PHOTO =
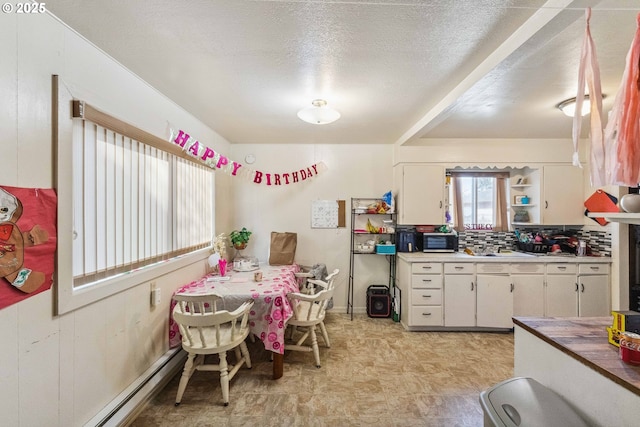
(593, 296)
(495, 301)
(459, 300)
(562, 296)
(528, 295)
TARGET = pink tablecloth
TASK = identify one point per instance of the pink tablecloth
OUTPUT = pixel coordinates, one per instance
(271, 308)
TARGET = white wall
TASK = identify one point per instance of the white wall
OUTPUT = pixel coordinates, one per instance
(62, 370)
(352, 171)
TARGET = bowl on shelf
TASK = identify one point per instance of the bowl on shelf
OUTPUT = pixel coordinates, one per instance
(364, 248)
(630, 203)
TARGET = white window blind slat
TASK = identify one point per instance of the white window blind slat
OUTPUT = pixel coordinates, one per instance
(134, 204)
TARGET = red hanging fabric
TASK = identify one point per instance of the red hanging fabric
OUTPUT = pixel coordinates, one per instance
(622, 134)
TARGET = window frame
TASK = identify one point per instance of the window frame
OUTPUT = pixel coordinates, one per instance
(496, 175)
(68, 296)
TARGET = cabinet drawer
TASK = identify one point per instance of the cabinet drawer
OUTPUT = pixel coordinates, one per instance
(426, 315)
(459, 268)
(527, 268)
(562, 268)
(593, 269)
(422, 281)
(426, 297)
(426, 267)
(490, 267)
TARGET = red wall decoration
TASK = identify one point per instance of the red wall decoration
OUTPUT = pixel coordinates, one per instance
(27, 242)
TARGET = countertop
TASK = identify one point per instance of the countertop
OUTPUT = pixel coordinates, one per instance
(586, 340)
(498, 258)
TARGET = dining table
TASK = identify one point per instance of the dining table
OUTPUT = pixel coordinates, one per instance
(270, 311)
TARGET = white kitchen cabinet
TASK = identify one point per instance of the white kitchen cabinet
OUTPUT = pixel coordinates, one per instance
(441, 293)
(563, 195)
(528, 289)
(494, 296)
(421, 294)
(459, 295)
(421, 194)
(578, 290)
(562, 290)
(593, 290)
(593, 296)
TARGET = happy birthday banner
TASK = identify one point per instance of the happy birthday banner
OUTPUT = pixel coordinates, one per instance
(216, 160)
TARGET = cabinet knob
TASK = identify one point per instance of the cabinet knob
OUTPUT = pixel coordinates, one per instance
(426, 296)
(426, 314)
(458, 267)
(426, 280)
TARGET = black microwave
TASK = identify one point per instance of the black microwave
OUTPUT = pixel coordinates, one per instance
(440, 242)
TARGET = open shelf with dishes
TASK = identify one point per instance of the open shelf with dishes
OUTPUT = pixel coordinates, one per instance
(524, 197)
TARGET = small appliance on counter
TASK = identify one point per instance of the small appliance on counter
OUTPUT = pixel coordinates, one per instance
(409, 240)
(440, 242)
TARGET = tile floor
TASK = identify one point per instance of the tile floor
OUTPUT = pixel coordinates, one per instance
(375, 373)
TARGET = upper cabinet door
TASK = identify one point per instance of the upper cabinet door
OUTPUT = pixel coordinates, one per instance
(563, 193)
(421, 195)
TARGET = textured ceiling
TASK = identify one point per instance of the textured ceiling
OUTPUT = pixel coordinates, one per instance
(398, 71)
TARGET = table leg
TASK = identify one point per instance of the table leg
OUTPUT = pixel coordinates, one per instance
(278, 365)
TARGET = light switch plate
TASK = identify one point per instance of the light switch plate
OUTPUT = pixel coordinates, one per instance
(156, 297)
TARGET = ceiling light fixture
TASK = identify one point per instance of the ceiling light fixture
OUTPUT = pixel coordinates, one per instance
(568, 107)
(318, 113)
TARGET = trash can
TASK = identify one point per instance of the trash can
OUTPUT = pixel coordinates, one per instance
(525, 402)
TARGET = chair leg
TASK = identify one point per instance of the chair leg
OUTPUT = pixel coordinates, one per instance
(236, 351)
(224, 377)
(245, 354)
(188, 370)
(325, 336)
(314, 345)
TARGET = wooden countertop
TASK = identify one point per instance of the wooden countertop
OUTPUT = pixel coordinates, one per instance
(586, 340)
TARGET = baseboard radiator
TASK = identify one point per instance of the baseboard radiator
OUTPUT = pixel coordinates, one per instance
(122, 410)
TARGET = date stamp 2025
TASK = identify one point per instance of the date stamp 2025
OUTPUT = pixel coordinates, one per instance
(24, 8)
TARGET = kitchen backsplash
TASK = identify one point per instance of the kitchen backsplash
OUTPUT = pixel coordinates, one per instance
(599, 241)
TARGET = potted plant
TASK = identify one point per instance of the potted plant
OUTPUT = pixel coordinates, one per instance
(239, 239)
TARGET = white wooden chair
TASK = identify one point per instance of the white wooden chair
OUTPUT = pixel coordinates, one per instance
(329, 283)
(305, 286)
(308, 312)
(205, 331)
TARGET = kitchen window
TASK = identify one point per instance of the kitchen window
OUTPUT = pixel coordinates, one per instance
(479, 200)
